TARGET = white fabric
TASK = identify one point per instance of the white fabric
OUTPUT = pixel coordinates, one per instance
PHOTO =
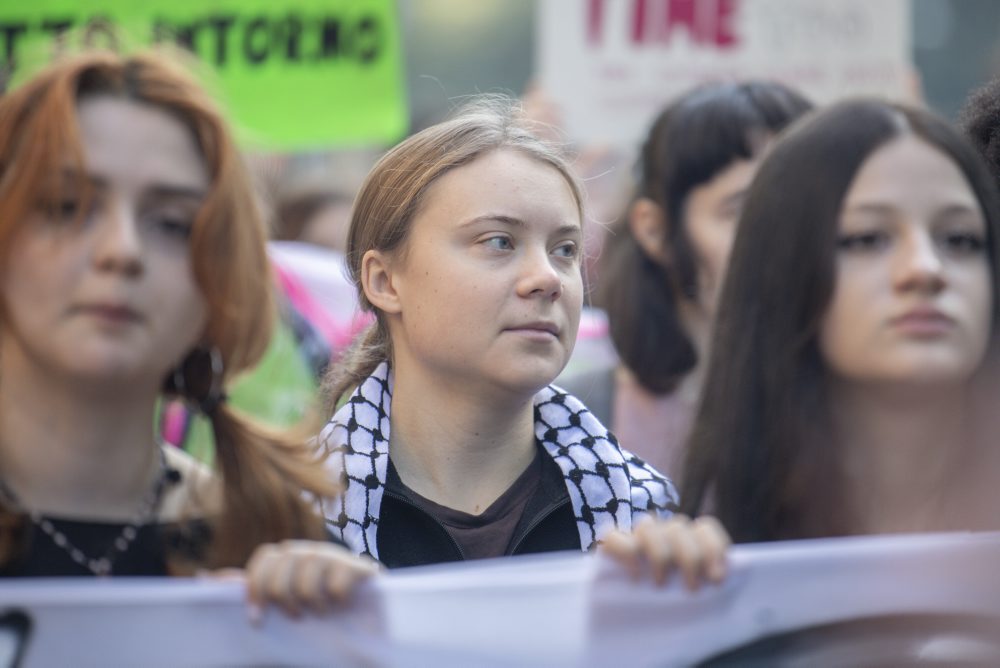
(561, 609)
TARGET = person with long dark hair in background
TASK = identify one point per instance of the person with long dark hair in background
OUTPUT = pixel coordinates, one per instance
(848, 388)
(667, 258)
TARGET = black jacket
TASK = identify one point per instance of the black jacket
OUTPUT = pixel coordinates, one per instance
(591, 485)
(409, 536)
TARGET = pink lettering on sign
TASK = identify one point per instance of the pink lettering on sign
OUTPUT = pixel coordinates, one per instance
(595, 20)
(639, 19)
(681, 14)
(724, 33)
(706, 22)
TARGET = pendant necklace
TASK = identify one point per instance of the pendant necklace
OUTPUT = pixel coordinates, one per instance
(103, 565)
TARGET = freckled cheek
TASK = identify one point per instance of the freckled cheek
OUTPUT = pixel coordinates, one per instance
(573, 294)
(451, 302)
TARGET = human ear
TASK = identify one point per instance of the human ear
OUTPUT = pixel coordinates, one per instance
(377, 283)
(648, 224)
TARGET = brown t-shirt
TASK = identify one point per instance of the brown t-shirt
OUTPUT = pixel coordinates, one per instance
(488, 534)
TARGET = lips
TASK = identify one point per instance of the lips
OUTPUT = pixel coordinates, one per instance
(924, 321)
(111, 312)
(539, 327)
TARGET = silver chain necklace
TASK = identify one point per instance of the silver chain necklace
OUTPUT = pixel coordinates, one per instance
(103, 565)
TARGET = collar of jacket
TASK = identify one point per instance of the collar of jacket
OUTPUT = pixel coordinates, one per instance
(410, 536)
(609, 488)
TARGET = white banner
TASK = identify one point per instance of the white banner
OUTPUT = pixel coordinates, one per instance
(610, 65)
(562, 609)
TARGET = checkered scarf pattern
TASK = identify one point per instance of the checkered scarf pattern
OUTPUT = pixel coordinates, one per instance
(609, 488)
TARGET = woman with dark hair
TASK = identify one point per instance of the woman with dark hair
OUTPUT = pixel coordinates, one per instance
(666, 262)
(853, 336)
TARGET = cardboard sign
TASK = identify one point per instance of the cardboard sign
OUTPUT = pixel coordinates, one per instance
(299, 74)
(611, 65)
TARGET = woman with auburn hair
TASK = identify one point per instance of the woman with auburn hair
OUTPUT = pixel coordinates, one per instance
(851, 356)
(664, 266)
(465, 243)
(133, 266)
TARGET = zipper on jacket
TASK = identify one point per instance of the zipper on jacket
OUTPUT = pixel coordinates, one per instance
(406, 501)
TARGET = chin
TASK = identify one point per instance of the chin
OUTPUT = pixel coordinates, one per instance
(528, 381)
(104, 372)
(930, 374)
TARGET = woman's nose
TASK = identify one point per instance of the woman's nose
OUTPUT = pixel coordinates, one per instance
(539, 278)
(919, 264)
(118, 245)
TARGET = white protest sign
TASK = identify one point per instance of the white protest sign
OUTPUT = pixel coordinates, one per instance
(610, 65)
(566, 609)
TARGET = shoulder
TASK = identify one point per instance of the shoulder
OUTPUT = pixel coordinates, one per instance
(581, 444)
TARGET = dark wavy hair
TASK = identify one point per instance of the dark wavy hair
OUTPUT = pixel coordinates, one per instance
(690, 142)
(980, 120)
(761, 445)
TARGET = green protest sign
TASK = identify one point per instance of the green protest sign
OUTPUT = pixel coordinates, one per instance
(296, 74)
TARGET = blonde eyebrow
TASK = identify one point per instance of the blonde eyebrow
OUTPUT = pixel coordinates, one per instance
(516, 222)
(495, 218)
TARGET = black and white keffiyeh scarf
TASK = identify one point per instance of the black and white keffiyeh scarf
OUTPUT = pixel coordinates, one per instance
(609, 488)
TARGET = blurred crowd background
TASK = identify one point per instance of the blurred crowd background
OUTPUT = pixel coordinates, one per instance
(490, 44)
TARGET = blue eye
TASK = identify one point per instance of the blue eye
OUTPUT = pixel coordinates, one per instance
(499, 243)
(567, 250)
(863, 241)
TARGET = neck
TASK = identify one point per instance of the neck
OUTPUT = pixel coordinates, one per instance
(902, 450)
(73, 449)
(698, 325)
(455, 448)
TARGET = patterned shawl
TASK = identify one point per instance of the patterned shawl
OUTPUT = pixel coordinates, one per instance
(609, 487)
